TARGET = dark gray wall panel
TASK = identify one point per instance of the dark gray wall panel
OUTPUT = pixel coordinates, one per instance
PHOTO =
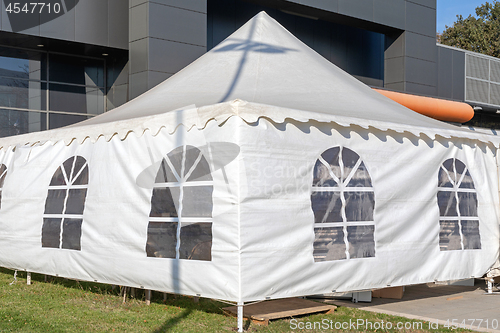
(421, 71)
(458, 75)
(170, 57)
(428, 3)
(362, 9)
(328, 5)
(397, 86)
(138, 26)
(421, 19)
(390, 12)
(421, 89)
(395, 47)
(133, 3)
(62, 27)
(194, 5)
(177, 24)
(422, 47)
(138, 55)
(118, 16)
(91, 22)
(138, 84)
(394, 70)
(445, 72)
(155, 78)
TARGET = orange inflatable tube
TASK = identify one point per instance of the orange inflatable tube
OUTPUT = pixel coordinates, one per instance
(436, 108)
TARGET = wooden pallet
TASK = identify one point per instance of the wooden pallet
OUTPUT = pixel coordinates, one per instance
(261, 313)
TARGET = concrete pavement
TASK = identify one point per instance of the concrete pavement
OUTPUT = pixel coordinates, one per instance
(439, 303)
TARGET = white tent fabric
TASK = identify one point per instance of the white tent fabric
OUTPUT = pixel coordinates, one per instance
(259, 171)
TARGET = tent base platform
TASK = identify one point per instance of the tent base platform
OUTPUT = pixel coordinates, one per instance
(261, 313)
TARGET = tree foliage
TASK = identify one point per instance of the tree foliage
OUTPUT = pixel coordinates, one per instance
(479, 33)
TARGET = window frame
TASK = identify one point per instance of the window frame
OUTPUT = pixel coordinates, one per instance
(456, 190)
(182, 181)
(68, 186)
(342, 187)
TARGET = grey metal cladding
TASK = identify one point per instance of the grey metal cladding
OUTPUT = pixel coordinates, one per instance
(421, 89)
(421, 19)
(133, 3)
(394, 70)
(458, 75)
(427, 3)
(445, 72)
(390, 12)
(328, 5)
(362, 9)
(91, 22)
(179, 54)
(177, 25)
(18, 24)
(155, 78)
(420, 71)
(395, 47)
(420, 46)
(138, 53)
(118, 16)
(138, 84)
(5, 20)
(62, 27)
(138, 25)
(194, 5)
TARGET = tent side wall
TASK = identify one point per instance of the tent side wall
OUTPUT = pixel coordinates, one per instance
(296, 242)
(117, 238)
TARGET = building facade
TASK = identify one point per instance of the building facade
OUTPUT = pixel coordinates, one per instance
(69, 60)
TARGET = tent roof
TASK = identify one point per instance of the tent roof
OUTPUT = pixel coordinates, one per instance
(260, 63)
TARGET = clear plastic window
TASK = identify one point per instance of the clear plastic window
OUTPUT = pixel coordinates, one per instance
(457, 202)
(64, 206)
(343, 215)
(180, 224)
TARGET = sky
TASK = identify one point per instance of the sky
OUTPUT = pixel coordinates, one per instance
(447, 11)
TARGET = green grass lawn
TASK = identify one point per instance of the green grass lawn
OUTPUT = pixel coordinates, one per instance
(61, 305)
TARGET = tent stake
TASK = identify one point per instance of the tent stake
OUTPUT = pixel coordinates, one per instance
(240, 316)
(28, 278)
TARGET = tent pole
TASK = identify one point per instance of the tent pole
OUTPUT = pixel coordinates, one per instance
(240, 316)
(28, 278)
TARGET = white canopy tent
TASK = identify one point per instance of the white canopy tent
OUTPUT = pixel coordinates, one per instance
(259, 171)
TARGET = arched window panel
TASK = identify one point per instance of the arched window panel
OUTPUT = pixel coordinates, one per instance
(343, 215)
(180, 224)
(64, 206)
(3, 174)
(457, 202)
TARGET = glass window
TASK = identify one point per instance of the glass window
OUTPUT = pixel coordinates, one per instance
(180, 221)
(24, 94)
(22, 64)
(343, 202)
(76, 70)
(76, 99)
(63, 216)
(13, 122)
(57, 120)
(457, 202)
